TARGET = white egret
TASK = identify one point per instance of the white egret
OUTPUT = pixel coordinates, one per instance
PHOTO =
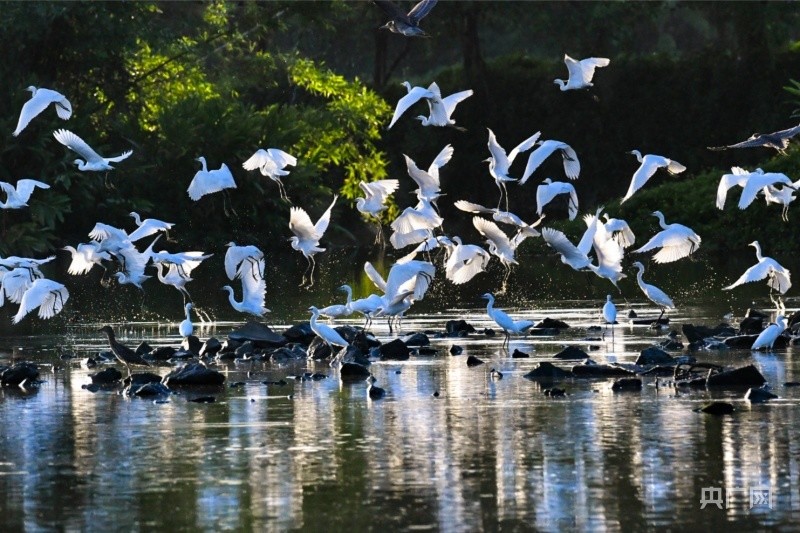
(737, 177)
(506, 217)
(572, 167)
(675, 240)
(426, 246)
(405, 284)
(244, 260)
(500, 245)
(756, 182)
(766, 339)
(464, 261)
(134, 263)
(428, 182)
(367, 306)
(440, 109)
(607, 250)
(92, 161)
(307, 236)
(573, 256)
(782, 196)
(210, 181)
(650, 163)
(17, 197)
(329, 336)
(184, 261)
(548, 189)
(186, 327)
(30, 265)
(48, 295)
(173, 277)
(778, 277)
(500, 163)
(374, 202)
(406, 23)
(415, 224)
(609, 315)
(580, 72)
(38, 102)
(620, 231)
(148, 227)
(339, 310)
(14, 283)
(85, 256)
(778, 140)
(272, 162)
(653, 293)
(506, 323)
(252, 299)
(394, 309)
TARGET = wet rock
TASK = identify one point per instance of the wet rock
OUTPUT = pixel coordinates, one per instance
(425, 351)
(658, 322)
(571, 352)
(659, 370)
(700, 333)
(458, 328)
(229, 346)
(555, 392)
(237, 385)
(792, 384)
(148, 390)
(600, 371)
(318, 350)
(210, 348)
(278, 383)
(654, 356)
(191, 344)
(106, 376)
(162, 353)
(519, 354)
(717, 408)
(671, 344)
(473, 361)
(416, 339)
(316, 376)
(756, 313)
(456, 350)
(202, 399)
(375, 392)
(182, 355)
(88, 363)
(741, 341)
(759, 395)
(287, 353)
(746, 376)
(91, 387)
(395, 350)
(489, 332)
(141, 378)
(143, 349)
(353, 355)
(301, 333)
(350, 372)
(19, 373)
(793, 320)
(106, 356)
(751, 325)
(627, 384)
(245, 350)
(193, 374)
(543, 332)
(546, 371)
(260, 335)
(551, 323)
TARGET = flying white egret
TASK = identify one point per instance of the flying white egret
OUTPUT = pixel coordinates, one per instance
(339, 310)
(30, 265)
(500, 245)
(148, 227)
(307, 236)
(778, 277)
(781, 196)
(184, 261)
(428, 183)
(38, 102)
(244, 260)
(405, 284)
(756, 182)
(415, 224)
(505, 217)
(85, 256)
(17, 197)
(14, 283)
(252, 299)
(653, 293)
(650, 163)
(506, 323)
(464, 261)
(440, 109)
(405, 23)
(92, 161)
(778, 140)
(500, 163)
(609, 315)
(272, 162)
(48, 295)
(210, 181)
(134, 263)
(548, 189)
(675, 240)
(607, 250)
(620, 231)
(374, 202)
(572, 167)
(573, 256)
(426, 246)
(737, 177)
(186, 327)
(329, 336)
(581, 72)
(766, 339)
(173, 277)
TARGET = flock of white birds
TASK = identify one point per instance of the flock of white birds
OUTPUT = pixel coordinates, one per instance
(600, 249)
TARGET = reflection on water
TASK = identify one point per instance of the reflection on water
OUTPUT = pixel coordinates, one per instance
(483, 454)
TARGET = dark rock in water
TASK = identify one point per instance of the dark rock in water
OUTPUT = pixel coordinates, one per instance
(316, 376)
(191, 344)
(162, 353)
(229, 346)
(375, 392)
(287, 353)
(91, 387)
(143, 349)
(416, 339)
(519, 355)
(246, 349)
(457, 327)
(544, 332)
(600, 371)
(88, 363)
(746, 376)
(751, 326)
(473, 361)
(354, 355)
(435, 394)
(193, 374)
(755, 313)
(546, 371)
(741, 341)
(425, 351)
(659, 370)
(259, 334)
(792, 384)
(278, 383)
(301, 333)
(716, 408)
(202, 399)
(551, 323)
(650, 321)
(555, 392)
(19, 373)
(148, 390)
(654, 356)
(627, 384)
(495, 374)
(632, 314)
(210, 348)
(106, 376)
(141, 378)
(456, 350)
(395, 350)
(595, 328)
(489, 332)
(182, 355)
(700, 333)
(350, 372)
(759, 395)
(318, 350)
(571, 352)
(237, 385)
(671, 344)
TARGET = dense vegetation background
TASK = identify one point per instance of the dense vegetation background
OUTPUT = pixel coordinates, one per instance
(174, 81)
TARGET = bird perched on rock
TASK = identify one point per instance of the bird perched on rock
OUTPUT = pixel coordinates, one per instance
(124, 355)
(40, 99)
(405, 23)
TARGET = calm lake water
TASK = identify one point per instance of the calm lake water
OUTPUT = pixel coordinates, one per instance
(485, 454)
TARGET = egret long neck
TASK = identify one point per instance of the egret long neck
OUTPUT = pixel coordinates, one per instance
(758, 251)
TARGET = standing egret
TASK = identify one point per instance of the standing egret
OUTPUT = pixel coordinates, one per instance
(124, 355)
(49, 296)
(367, 306)
(508, 324)
(653, 293)
(675, 240)
(17, 197)
(405, 23)
(548, 189)
(307, 236)
(374, 201)
(186, 327)
(572, 167)
(610, 316)
(339, 310)
(778, 277)
(500, 163)
(92, 161)
(778, 140)
(210, 181)
(580, 72)
(272, 162)
(650, 163)
(766, 339)
(38, 102)
(329, 336)
(440, 109)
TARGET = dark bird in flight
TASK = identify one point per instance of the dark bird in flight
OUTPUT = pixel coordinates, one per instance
(406, 23)
(778, 140)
